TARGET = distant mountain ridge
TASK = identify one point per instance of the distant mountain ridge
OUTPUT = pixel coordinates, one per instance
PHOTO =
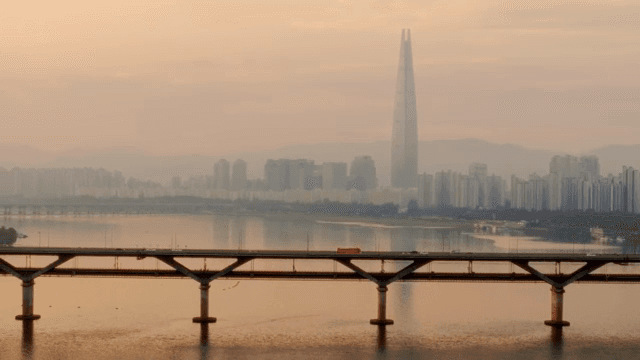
(501, 159)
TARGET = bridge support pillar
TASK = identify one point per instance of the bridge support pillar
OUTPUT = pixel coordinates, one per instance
(204, 306)
(27, 302)
(557, 300)
(382, 308)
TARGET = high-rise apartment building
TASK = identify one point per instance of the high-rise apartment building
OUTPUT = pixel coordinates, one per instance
(276, 174)
(478, 195)
(221, 175)
(300, 171)
(426, 194)
(591, 165)
(518, 192)
(568, 177)
(362, 175)
(444, 188)
(630, 190)
(585, 191)
(404, 141)
(284, 174)
(460, 190)
(334, 175)
(536, 193)
(239, 175)
(176, 182)
(315, 181)
(496, 191)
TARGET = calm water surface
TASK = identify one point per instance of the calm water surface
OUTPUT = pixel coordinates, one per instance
(84, 318)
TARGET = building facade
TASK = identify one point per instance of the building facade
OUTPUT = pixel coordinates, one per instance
(362, 175)
(334, 175)
(221, 175)
(239, 175)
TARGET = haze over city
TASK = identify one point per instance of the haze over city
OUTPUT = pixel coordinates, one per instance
(196, 77)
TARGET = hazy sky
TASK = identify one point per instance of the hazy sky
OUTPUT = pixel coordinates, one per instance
(218, 77)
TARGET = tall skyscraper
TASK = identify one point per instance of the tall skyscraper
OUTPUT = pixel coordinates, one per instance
(404, 143)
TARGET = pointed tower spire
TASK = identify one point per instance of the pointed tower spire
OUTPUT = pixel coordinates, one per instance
(404, 142)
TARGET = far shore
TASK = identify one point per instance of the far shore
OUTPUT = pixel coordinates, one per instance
(427, 222)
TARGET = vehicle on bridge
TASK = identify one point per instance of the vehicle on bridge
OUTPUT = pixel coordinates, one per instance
(353, 250)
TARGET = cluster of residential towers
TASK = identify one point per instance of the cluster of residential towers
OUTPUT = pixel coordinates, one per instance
(299, 174)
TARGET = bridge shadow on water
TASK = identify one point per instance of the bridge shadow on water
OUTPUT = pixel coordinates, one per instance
(204, 341)
(27, 340)
(556, 343)
(381, 343)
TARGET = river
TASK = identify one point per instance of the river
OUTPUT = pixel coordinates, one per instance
(86, 318)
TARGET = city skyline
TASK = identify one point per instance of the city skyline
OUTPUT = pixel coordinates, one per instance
(436, 155)
(572, 184)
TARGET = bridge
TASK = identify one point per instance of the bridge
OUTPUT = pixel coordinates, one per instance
(583, 269)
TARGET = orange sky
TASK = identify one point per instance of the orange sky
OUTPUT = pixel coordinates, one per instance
(198, 76)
